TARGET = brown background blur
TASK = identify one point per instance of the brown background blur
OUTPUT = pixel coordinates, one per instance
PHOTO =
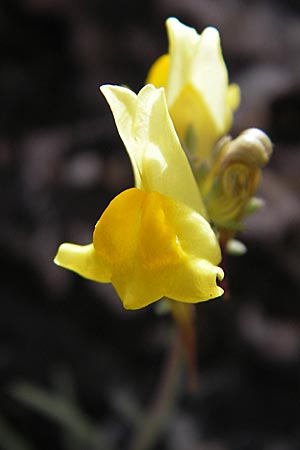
(66, 341)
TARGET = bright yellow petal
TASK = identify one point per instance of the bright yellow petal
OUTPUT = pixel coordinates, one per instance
(233, 96)
(148, 133)
(183, 43)
(123, 104)
(197, 59)
(159, 72)
(209, 76)
(194, 123)
(83, 260)
(156, 246)
(197, 66)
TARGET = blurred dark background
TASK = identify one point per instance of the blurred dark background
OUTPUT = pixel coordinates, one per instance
(74, 366)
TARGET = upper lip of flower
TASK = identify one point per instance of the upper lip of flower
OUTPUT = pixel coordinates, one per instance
(158, 160)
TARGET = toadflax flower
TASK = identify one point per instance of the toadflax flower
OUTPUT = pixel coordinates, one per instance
(195, 78)
(152, 240)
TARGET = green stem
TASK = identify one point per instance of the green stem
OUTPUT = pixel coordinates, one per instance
(157, 417)
(184, 317)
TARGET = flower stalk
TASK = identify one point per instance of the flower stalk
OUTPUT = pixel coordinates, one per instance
(168, 389)
(184, 315)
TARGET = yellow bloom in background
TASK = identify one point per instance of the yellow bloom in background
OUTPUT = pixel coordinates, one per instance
(201, 105)
(152, 240)
(195, 78)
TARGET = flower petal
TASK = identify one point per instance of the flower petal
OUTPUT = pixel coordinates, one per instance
(155, 246)
(198, 59)
(158, 160)
(195, 124)
(83, 260)
(233, 96)
(198, 96)
(159, 72)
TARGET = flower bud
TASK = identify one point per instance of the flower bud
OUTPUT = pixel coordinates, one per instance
(252, 148)
(234, 175)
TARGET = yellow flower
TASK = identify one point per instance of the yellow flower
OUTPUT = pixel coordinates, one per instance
(152, 240)
(195, 78)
